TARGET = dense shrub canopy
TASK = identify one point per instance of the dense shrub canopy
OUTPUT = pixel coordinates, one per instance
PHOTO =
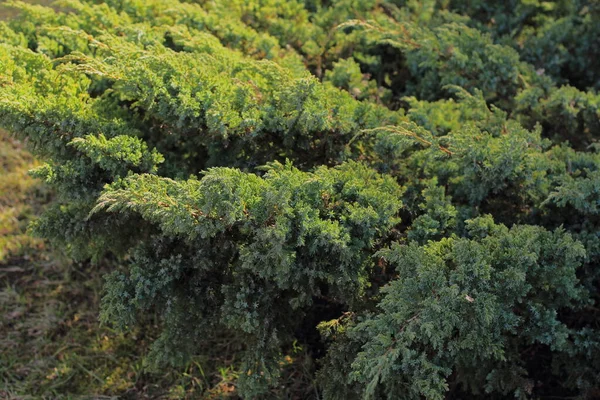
(428, 173)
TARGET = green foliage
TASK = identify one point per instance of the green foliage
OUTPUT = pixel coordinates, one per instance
(560, 37)
(460, 299)
(280, 240)
(420, 180)
(438, 218)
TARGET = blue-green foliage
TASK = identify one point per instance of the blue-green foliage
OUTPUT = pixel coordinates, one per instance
(261, 248)
(459, 299)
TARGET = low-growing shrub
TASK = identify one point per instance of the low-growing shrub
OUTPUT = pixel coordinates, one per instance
(405, 176)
